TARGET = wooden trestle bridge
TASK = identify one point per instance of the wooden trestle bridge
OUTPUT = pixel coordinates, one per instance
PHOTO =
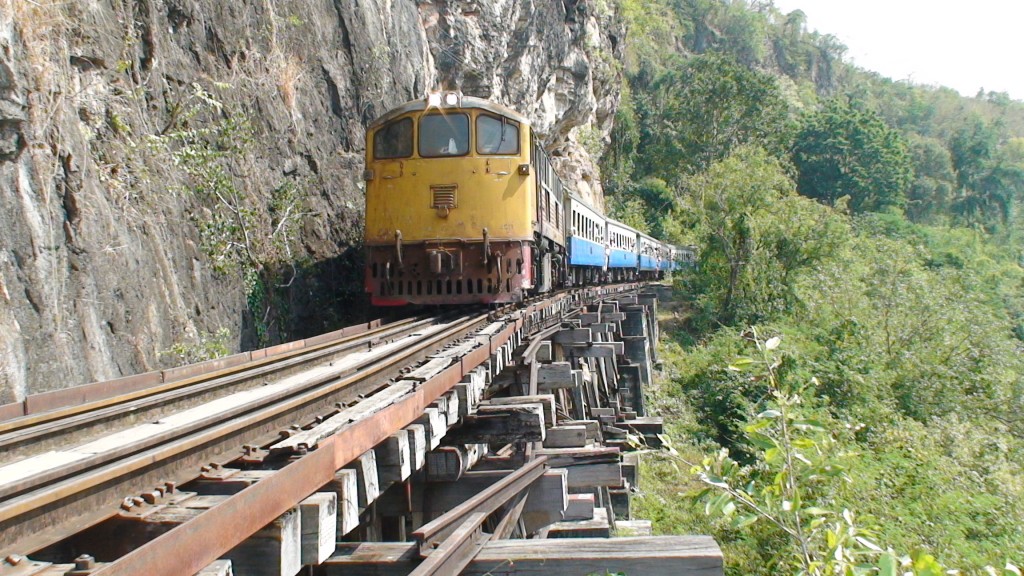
(477, 442)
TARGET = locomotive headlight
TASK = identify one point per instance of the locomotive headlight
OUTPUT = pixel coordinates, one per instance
(451, 98)
(434, 100)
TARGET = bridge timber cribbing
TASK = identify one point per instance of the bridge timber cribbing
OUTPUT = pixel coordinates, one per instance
(484, 455)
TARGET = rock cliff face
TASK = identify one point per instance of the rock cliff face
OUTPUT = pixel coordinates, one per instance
(171, 168)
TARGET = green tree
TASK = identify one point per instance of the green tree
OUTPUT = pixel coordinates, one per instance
(931, 194)
(990, 177)
(842, 151)
(699, 112)
(756, 236)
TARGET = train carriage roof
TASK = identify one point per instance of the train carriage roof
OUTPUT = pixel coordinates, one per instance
(464, 103)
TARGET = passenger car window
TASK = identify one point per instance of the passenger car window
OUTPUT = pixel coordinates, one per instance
(394, 140)
(444, 135)
(496, 135)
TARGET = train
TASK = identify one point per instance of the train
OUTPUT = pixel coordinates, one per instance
(463, 206)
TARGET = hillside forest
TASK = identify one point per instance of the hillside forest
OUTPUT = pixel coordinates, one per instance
(842, 380)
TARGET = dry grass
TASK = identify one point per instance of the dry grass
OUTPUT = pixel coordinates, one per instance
(288, 72)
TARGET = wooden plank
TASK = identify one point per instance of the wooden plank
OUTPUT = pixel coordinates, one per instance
(275, 550)
(346, 486)
(435, 426)
(544, 352)
(653, 556)
(445, 464)
(596, 527)
(590, 475)
(417, 445)
(566, 437)
(501, 424)
(572, 336)
(454, 410)
(559, 457)
(467, 401)
(580, 507)
(549, 495)
(394, 463)
(319, 527)
(595, 350)
(605, 328)
(366, 475)
(547, 401)
(593, 427)
(554, 372)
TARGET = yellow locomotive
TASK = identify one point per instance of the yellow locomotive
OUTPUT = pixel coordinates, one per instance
(461, 205)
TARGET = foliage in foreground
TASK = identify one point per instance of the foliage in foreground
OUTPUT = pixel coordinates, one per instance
(899, 387)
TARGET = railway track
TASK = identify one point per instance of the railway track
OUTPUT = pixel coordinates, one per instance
(107, 450)
(93, 477)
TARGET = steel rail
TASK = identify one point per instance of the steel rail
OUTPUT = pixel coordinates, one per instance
(43, 477)
(229, 523)
(31, 427)
(113, 481)
(449, 543)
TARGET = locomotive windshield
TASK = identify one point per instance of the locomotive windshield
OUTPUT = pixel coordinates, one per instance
(393, 140)
(496, 135)
(444, 135)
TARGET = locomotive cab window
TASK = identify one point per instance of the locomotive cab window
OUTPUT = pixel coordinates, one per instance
(496, 135)
(444, 135)
(393, 140)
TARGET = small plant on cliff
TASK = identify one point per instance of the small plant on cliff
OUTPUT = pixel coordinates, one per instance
(206, 346)
(242, 229)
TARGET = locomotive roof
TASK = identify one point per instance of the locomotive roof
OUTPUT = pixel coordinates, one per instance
(466, 102)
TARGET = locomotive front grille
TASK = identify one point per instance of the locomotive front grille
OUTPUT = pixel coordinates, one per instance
(443, 196)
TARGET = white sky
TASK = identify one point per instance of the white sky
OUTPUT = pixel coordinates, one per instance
(962, 45)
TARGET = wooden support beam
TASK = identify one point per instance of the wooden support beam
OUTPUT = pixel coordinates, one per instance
(549, 495)
(446, 464)
(645, 425)
(580, 507)
(621, 501)
(366, 473)
(593, 427)
(276, 550)
(523, 423)
(588, 475)
(544, 352)
(653, 556)
(566, 437)
(346, 486)
(554, 375)
(417, 445)
(595, 350)
(572, 336)
(605, 328)
(596, 527)
(394, 462)
(547, 401)
(435, 426)
(319, 527)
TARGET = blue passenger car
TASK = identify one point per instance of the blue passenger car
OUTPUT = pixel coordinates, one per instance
(586, 242)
